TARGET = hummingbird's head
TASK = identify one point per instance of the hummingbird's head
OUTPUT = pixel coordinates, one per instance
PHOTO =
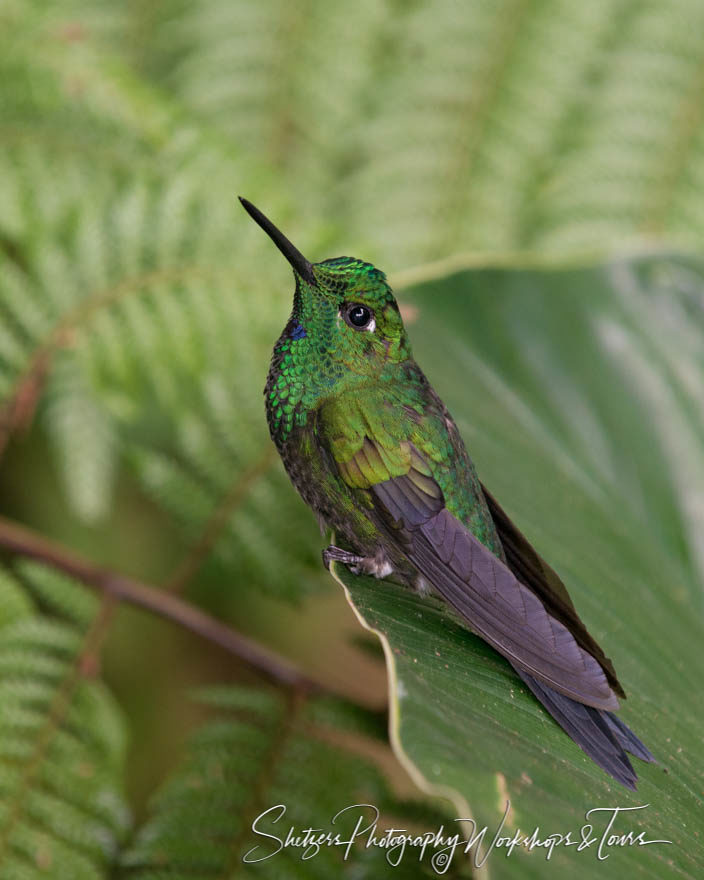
(361, 316)
(345, 327)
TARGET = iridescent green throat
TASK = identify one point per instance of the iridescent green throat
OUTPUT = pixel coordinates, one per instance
(318, 356)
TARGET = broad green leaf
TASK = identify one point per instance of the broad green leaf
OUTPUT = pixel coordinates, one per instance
(578, 393)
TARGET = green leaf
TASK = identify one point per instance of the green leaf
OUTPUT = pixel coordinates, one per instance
(578, 393)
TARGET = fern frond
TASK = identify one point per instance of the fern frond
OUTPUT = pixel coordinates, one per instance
(14, 602)
(260, 751)
(56, 595)
(490, 127)
(62, 745)
(129, 275)
(155, 346)
(83, 438)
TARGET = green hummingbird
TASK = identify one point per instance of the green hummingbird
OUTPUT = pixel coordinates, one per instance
(375, 453)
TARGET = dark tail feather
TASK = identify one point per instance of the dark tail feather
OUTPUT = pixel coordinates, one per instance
(598, 733)
(628, 740)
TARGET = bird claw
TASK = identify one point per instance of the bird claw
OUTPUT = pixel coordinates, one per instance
(337, 554)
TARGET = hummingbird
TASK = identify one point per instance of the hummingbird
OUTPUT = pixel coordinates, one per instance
(373, 450)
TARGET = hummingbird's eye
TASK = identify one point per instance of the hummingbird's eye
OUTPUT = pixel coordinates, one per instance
(359, 317)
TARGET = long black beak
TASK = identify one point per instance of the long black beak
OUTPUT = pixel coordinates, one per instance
(300, 265)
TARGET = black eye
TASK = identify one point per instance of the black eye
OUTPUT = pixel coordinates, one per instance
(359, 317)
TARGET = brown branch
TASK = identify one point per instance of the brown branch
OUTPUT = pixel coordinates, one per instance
(18, 411)
(90, 657)
(22, 542)
(217, 521)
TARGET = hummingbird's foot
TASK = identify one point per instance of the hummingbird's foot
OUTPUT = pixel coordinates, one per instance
(378, 566)
(337, 554)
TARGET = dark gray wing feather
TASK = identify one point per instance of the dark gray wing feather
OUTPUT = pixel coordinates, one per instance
(596, 732)
(534, 572)
(483, 590)
(627, 739)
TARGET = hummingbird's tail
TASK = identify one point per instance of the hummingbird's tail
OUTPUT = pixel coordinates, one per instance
(627, 739)
(599, 733)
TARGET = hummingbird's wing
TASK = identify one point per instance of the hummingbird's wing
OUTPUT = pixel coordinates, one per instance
(592, 729)
(534, 572)
(534, 624)
(484, 591)
(409, 505)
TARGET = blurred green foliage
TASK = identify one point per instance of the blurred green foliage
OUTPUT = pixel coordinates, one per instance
(138, 307)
